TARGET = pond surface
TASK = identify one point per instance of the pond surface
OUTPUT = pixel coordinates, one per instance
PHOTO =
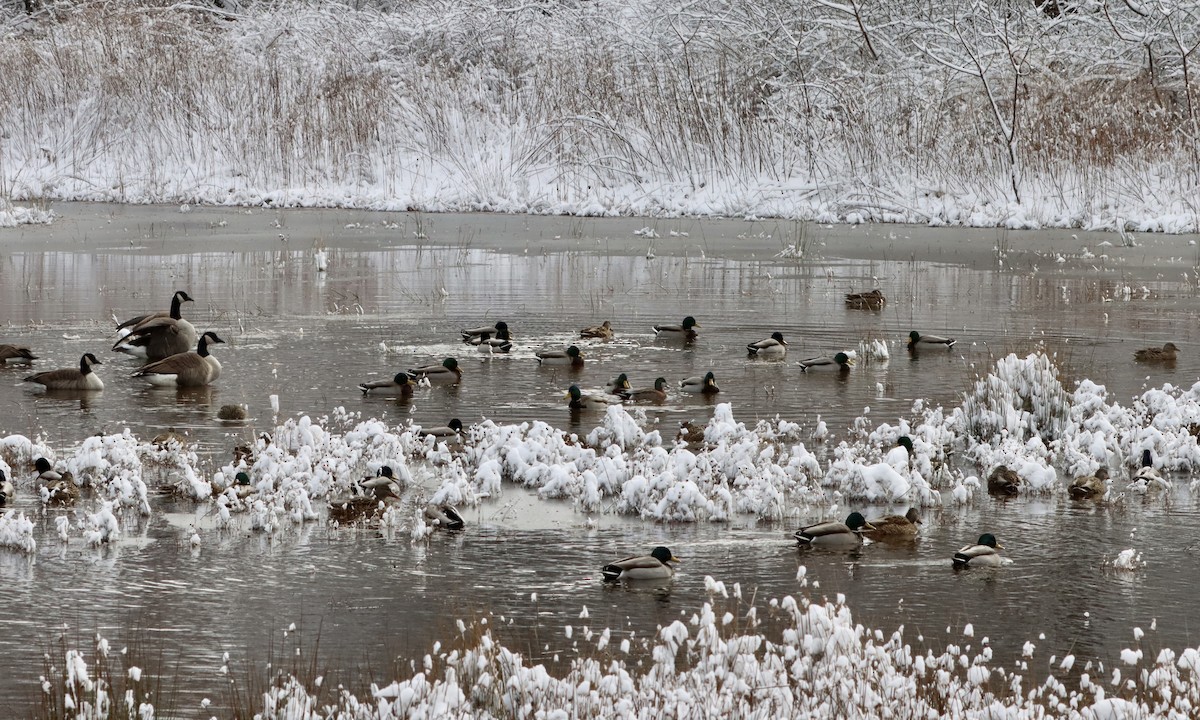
(398, 288)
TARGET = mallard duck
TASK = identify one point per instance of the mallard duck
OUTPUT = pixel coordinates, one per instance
(6, 489)
(46, 471)
(840, 362)
(168, 439)
(916, 341)
(1166, 353)
(1004, 482)
(70, 378)
(570, 356)
(242, 487)
(617, 384)
(697, 385)
(895, 527)
(984, 553)
(684, 331)
(62, 492)
(446, 373)
(774, 346)
(1089, 486)
(158, 336)
(488, 345)
(655, 566)
(500, 329)
(870, 300)
(1146, 478)
(187, 369)
(581, 401)
(444, 516)
(442, 432)
(16, 354)
(368, 498)
(399, 385)
(834, 533)
(603, 331)
(658, 393)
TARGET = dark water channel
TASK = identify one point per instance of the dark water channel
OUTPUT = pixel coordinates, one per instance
(397, 289)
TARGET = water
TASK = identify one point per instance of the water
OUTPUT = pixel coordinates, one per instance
(397, 290)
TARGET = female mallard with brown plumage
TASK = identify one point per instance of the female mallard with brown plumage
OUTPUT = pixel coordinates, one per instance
(658, 393)
(1089, 486)
(603, 331)
(895, 527)
(870, 300)
(1166, 353)
(1004, 482)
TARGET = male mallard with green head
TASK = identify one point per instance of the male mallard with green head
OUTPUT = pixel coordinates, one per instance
(917, 341)
(400, 385)
(655, 566)
(570, 356)
(447, 373)
(834, 534)
(686, 330)
(583, 401)
(985, 553)
(772, 347)
(706, 385)
(840, 362)
(617, 384)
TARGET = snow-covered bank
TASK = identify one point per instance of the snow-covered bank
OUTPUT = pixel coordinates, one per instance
(784, 658)
(985, 114)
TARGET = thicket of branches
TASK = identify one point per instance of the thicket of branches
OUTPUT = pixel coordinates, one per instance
(847, 98)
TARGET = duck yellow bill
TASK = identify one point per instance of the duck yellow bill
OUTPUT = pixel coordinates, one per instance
(675, 559)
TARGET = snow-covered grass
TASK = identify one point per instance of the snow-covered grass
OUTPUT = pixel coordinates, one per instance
(979, 114)
(790, 657)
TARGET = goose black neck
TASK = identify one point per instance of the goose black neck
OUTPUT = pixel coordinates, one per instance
(176, 301)
(84, 366)
(202, 347)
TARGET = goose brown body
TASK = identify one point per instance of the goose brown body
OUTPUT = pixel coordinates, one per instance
(71, 378)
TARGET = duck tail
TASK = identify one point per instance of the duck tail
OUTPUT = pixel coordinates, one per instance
(610, 573)
(803, 538)
(961, 560)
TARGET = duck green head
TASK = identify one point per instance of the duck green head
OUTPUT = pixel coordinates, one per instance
(689, 322)
(501, 327)
(241, 479)
(455, 425)
(778, 337)
(450, 364)
(401, 378)
(660, 383)
(906, 443)
(386, 471)
(663, 555)
(842, 359)
(990, 540)
(573, 351)
(575, 393)
(914, 336)
(857, 522)
(42, 465)
(621, 381)
(709, 378)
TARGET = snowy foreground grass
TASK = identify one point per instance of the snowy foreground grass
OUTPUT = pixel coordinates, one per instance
(792, 657)
(977, 113)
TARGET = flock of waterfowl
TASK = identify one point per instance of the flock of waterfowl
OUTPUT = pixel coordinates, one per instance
(165, 339)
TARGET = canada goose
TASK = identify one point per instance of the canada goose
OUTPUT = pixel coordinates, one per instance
(6, 489)
(834, 534)
(706, 385)
(188, 369)
(840, 362)
(603, 331)
(570, 356)
(16, 354)
(1003, 482)
(70, 378)
(984, 553)
(500, 328)
(870, 300)
(774, 346)
(397, 386)
(369, 497)
(443, 432)
(658, 393)
(445, 517)
(180, 296)
(446, 373)
(1088, 486)
(655, 566)
(1166, 353)
(683, 331)
(487, 345)
(1146, 478)
(581, 401)
(895, 527)
(384, 484)
(617, 384)
(916, 341)
(157, 337)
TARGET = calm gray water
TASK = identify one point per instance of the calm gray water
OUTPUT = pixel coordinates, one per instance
(410, 282)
